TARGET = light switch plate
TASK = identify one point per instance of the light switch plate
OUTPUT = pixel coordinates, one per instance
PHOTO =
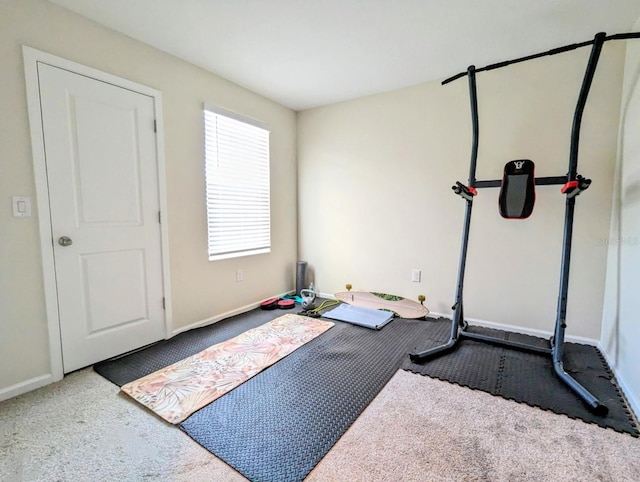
(21, 206)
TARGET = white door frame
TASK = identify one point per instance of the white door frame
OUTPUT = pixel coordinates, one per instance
(31, 58)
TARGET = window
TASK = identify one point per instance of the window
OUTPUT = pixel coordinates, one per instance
(237, 185)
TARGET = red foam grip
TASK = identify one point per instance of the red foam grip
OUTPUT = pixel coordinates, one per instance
(571, 185)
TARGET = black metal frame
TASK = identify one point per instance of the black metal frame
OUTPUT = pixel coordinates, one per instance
(559, 50)
(578, 184)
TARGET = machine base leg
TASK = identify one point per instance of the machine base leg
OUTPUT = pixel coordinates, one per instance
(594, 404)
(597, 407)
(423, 355)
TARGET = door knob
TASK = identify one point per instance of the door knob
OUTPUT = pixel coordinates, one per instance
(65, 241)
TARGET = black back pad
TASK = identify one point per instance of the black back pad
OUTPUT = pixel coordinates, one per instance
(518, 190)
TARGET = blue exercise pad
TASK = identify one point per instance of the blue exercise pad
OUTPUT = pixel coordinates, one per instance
(358, 315)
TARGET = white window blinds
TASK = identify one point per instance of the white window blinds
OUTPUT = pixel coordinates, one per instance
(237, 184)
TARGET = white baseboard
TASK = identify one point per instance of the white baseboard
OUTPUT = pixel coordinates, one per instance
(222, 316)
(634, 403)
(329, 296)
(502, 326)
(521, 329)
(26, 386)
(42, 380)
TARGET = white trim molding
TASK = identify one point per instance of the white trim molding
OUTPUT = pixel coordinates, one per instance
(26, 386)
(502, 326)
(633, 402)
(32, 58)
(222, 316)
(521, 329)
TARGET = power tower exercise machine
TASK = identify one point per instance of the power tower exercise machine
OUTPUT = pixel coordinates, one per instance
(516, 201)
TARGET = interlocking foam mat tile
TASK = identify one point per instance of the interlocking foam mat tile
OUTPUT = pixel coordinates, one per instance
(527, 377)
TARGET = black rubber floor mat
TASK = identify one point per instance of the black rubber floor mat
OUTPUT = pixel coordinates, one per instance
(278, 425)
(130, 367)
(527, 377)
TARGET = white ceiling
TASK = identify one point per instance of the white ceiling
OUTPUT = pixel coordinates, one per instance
(307, 53)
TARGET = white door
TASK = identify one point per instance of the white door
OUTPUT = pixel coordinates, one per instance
(102, 176)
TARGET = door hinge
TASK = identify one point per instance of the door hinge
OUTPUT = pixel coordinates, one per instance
(164, 304)
(155, 125)
(159, 217)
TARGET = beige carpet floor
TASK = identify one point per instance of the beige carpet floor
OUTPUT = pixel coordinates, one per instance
(417, 429)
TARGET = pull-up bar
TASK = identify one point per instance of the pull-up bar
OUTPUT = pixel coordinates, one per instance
(573, 184)
(558, 50)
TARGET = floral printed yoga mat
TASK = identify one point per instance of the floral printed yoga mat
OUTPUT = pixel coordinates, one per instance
(177, 391)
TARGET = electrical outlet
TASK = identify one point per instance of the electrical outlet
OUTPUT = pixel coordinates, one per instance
(239, 275)
(416, 275)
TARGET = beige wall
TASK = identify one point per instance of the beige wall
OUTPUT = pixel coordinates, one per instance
(201, 289)
(375, 198)
(374, 188)
(620, 328)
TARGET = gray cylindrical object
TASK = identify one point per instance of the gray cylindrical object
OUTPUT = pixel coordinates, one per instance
(301, 276)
